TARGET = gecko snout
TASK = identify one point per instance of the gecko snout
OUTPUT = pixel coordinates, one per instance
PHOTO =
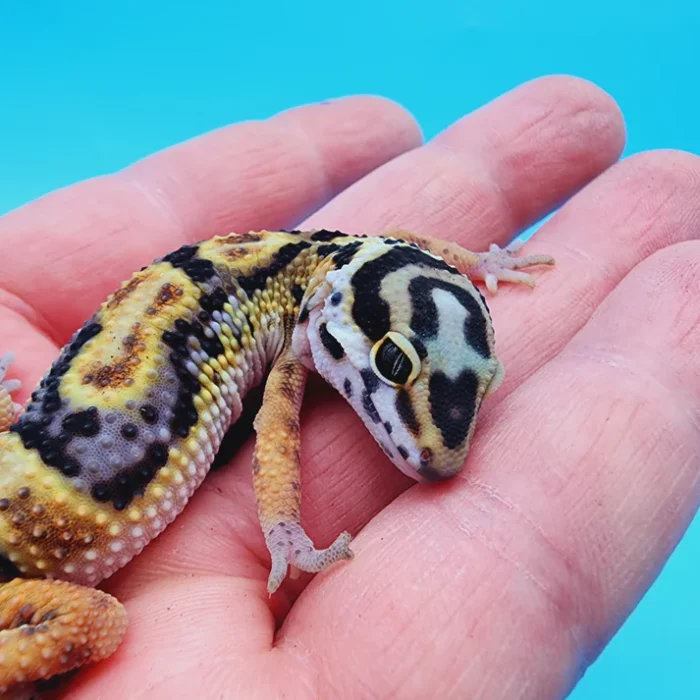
(430, 470)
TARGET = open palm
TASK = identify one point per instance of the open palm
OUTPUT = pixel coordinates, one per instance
(505, 582)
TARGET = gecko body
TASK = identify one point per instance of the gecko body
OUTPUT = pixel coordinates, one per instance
(125, 425)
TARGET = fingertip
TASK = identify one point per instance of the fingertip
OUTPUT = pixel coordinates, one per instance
(356, 131)
(375, 111)
(594, 108)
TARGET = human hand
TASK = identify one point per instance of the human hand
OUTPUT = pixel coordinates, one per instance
(583, 472)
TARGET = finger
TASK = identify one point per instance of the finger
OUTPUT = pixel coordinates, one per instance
(494, 172)
(85, 239)
(582, 484)
(637, 207)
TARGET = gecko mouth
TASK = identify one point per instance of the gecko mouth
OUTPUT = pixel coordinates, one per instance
(431, 474)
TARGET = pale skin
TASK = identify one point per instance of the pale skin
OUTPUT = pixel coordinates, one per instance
(505, 582)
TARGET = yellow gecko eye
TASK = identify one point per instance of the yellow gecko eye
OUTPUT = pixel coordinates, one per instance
(395, 360)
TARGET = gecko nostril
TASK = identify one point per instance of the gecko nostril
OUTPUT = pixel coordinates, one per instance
(426, 457)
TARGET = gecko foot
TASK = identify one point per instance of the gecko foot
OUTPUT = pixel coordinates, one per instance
(503, 265)
(290, 545)
(8, 408)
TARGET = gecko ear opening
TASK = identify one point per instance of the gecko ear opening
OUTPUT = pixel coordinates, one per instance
(497, 378)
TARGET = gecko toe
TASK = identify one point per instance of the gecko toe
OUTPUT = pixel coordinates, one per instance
(290, 545)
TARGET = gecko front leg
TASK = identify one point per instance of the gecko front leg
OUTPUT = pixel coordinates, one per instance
(276, 477)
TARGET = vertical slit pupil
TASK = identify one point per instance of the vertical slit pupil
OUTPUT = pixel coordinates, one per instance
(393, 362)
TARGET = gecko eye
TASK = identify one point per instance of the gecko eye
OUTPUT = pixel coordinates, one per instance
(395, 360)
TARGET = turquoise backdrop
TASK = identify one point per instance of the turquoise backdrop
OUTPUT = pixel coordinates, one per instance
(88, 87)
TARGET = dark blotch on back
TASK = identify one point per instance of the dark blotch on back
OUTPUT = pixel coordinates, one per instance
(346, 254)
(280, 260)
(34, 432)
(85, 423)
(180, 256)
(199, 269)
(210, 303)
(185, 258)
(323, 251)
(325, 236)
(453, 405)
(122, 488)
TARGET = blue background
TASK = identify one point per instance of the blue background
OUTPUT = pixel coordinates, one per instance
(89, 87)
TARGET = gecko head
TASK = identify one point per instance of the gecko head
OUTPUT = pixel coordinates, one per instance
(408, 341)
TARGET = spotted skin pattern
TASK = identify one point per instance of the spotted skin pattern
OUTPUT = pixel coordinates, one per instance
(126, 423)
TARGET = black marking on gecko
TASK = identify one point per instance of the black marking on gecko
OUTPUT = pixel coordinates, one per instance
(330, 343)
(34, 430)
(129, 431)
(323, 251)
(405, 410)
(419, 347)
(180, 256)
(346, 254)
(211, 302)
(8, 570)
(83, 423)
(425, 317)
(370, 408)
(68, 440)
(324, 236)
(342, 253)
(132, 481)
(280, 260)
(386, 449)
(178, 341)
(370, 311)
(196, 268)
(370, 379)
(453, 405)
